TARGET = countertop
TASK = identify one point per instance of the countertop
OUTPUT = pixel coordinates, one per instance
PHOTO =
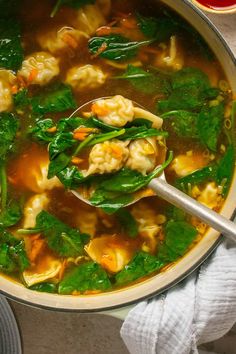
(46, 332)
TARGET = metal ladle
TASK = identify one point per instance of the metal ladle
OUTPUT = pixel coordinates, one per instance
(174, 196)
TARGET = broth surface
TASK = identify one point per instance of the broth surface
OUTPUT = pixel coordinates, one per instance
(78, 249)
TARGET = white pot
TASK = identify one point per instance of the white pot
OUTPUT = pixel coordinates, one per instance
(162, 281)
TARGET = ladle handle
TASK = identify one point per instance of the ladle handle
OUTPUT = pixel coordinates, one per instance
(191, 206)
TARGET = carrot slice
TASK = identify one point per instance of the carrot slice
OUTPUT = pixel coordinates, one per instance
(33, 75)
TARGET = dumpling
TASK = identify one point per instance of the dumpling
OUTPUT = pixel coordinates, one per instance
(47, 267)
(116, 111)
(186, 164)
(108, 157)
(85, 77)
(7, 81)
(88, 18)
(210, 196)
(142, 155)
(33, 207)
(110, 251)
(149, 223)
(61, 39)
(39, 68)
(172, 56)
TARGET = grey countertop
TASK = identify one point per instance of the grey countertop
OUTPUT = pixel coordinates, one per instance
(45, 332)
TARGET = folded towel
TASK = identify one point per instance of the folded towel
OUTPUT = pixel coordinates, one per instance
(200, 309)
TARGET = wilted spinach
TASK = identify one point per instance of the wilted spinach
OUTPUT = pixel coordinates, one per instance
(12, 253)
(61, 238)
(115, 47)
(11, 52)
(209, 125)
(178, 237)
(127, 222)
(145, 81)
(141, 265)
(56, 97)
(85, 277)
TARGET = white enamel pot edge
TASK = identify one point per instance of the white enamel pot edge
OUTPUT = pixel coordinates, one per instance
(107, 303)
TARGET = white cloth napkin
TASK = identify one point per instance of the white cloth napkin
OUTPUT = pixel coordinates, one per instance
(200, 309)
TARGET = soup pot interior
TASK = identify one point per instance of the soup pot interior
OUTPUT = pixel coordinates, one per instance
(187, 264)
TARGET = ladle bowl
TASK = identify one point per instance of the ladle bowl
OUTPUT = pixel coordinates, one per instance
(174, 196)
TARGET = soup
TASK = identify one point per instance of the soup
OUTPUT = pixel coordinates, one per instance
(57, 58)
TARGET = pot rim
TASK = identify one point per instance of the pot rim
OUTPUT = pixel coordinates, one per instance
(180, 277)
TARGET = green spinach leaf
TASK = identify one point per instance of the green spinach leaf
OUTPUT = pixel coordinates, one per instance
(12, 253)
(11, 215)
(145, 81)
(85, 277)
(183, 123)
(196, 177)
(115, 47)
(56, 97)
(178, 237)
(209, 125)
(127, 222)
(44, 287)
(11, 52)
(61, 238)
(225, 169)
(141, 265)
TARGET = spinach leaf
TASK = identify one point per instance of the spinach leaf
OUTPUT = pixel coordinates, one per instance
(72, 3)
(196, 177)
(111, 202)
(183, 123)
(60, 143)
(145, 81)
(11, 52)
(190, 77)
(40, 130)
(115, 47)
(190, 89)
(61, 238)
(178, 237)
(58, 164)
(8, 127)
(21, 99)
(71, 123)
(141, 265)
(44, 287)
(159, 28)
(225, 169)
(85, 277)
(12, 253)
(105, 127)
(127, 222)
(209, 125)
(11, 214)
(70, 177)
(56, 97)
(141, 132)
